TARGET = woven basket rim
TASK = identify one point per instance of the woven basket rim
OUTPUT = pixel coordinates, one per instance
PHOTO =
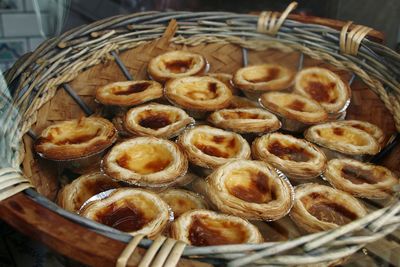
(385, 70)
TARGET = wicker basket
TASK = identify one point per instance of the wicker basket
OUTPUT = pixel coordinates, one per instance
(57, 81)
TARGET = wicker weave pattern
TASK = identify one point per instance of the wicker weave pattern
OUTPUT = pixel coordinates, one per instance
(60, 60)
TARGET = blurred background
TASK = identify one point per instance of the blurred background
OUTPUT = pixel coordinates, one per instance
(24, 24)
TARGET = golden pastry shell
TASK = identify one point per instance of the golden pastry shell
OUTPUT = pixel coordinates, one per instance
(245, 120)
(198, 93)
(180, 228)
(311, 163)
(321, 78)
(226, 143)
(161, 67)
(264, 77)
(342, 138)
(311, 193)
(74, 139)
(129, 93)
(181, 201)
(248, 189)
(72, 196)
(154, 207)
(370, 181)
(155, 151)
(156, 120)
(294, 107)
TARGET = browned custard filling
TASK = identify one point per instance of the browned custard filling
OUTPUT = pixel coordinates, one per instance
(234, 115)
(146, 158)
(250, 185)
(289, 151)
(127, 217)
(358, 175)
(206, 231)
(155, 119)
(320, 88)
(179, 66)
(267, 75)
(216, 145)
(207, 92)
(131, 89)
(344, 135)
(327, 211)
(297, 105)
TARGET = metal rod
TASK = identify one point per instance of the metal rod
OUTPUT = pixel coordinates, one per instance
(32, 134)
(77, 99)
(245, 57)
(122, 66)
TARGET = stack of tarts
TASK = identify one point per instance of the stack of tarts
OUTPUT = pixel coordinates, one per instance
(189, 156)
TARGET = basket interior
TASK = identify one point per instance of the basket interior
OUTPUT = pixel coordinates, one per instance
(365, 105)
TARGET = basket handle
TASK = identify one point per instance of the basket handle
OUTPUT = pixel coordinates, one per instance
(268, 21)
(350, 41)
(163, 252)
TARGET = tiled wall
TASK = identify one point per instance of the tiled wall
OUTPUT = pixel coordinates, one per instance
(19, 30)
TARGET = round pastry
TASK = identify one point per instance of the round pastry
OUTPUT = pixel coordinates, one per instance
(325, 87)
(226, 78)
(262, 78)
(181, 201)
(129, 93)
(245, 120)
(134, 211)
(210, 147)
(361, 179)
(77, 138)
(297, 158)
(294, 111)
(320, 208)
(176, 64)
(248, 189)
(208, 228)
(242, 102)
(146, 161)
(72, 196)
(370, 128)
(342, 138)
(198, 93)
(156, 120)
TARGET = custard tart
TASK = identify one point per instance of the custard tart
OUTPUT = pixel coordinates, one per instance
(146, 161)
(370, 128)
(325, 87)
(245, 120)
(297, 158)
(208, 228)
(134, 211)
(72, 196)
(361, 179)
(262, 78)
(248, 189)
(176, 64)
(210, 147)
(337, 137)
(320, 208)
(129, 93)
(156, 120)
(226, 78)
(181, 201)
(77, 138)
(198, 93)
(296, 112)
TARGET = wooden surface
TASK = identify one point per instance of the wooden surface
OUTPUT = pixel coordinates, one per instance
(93, 249)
